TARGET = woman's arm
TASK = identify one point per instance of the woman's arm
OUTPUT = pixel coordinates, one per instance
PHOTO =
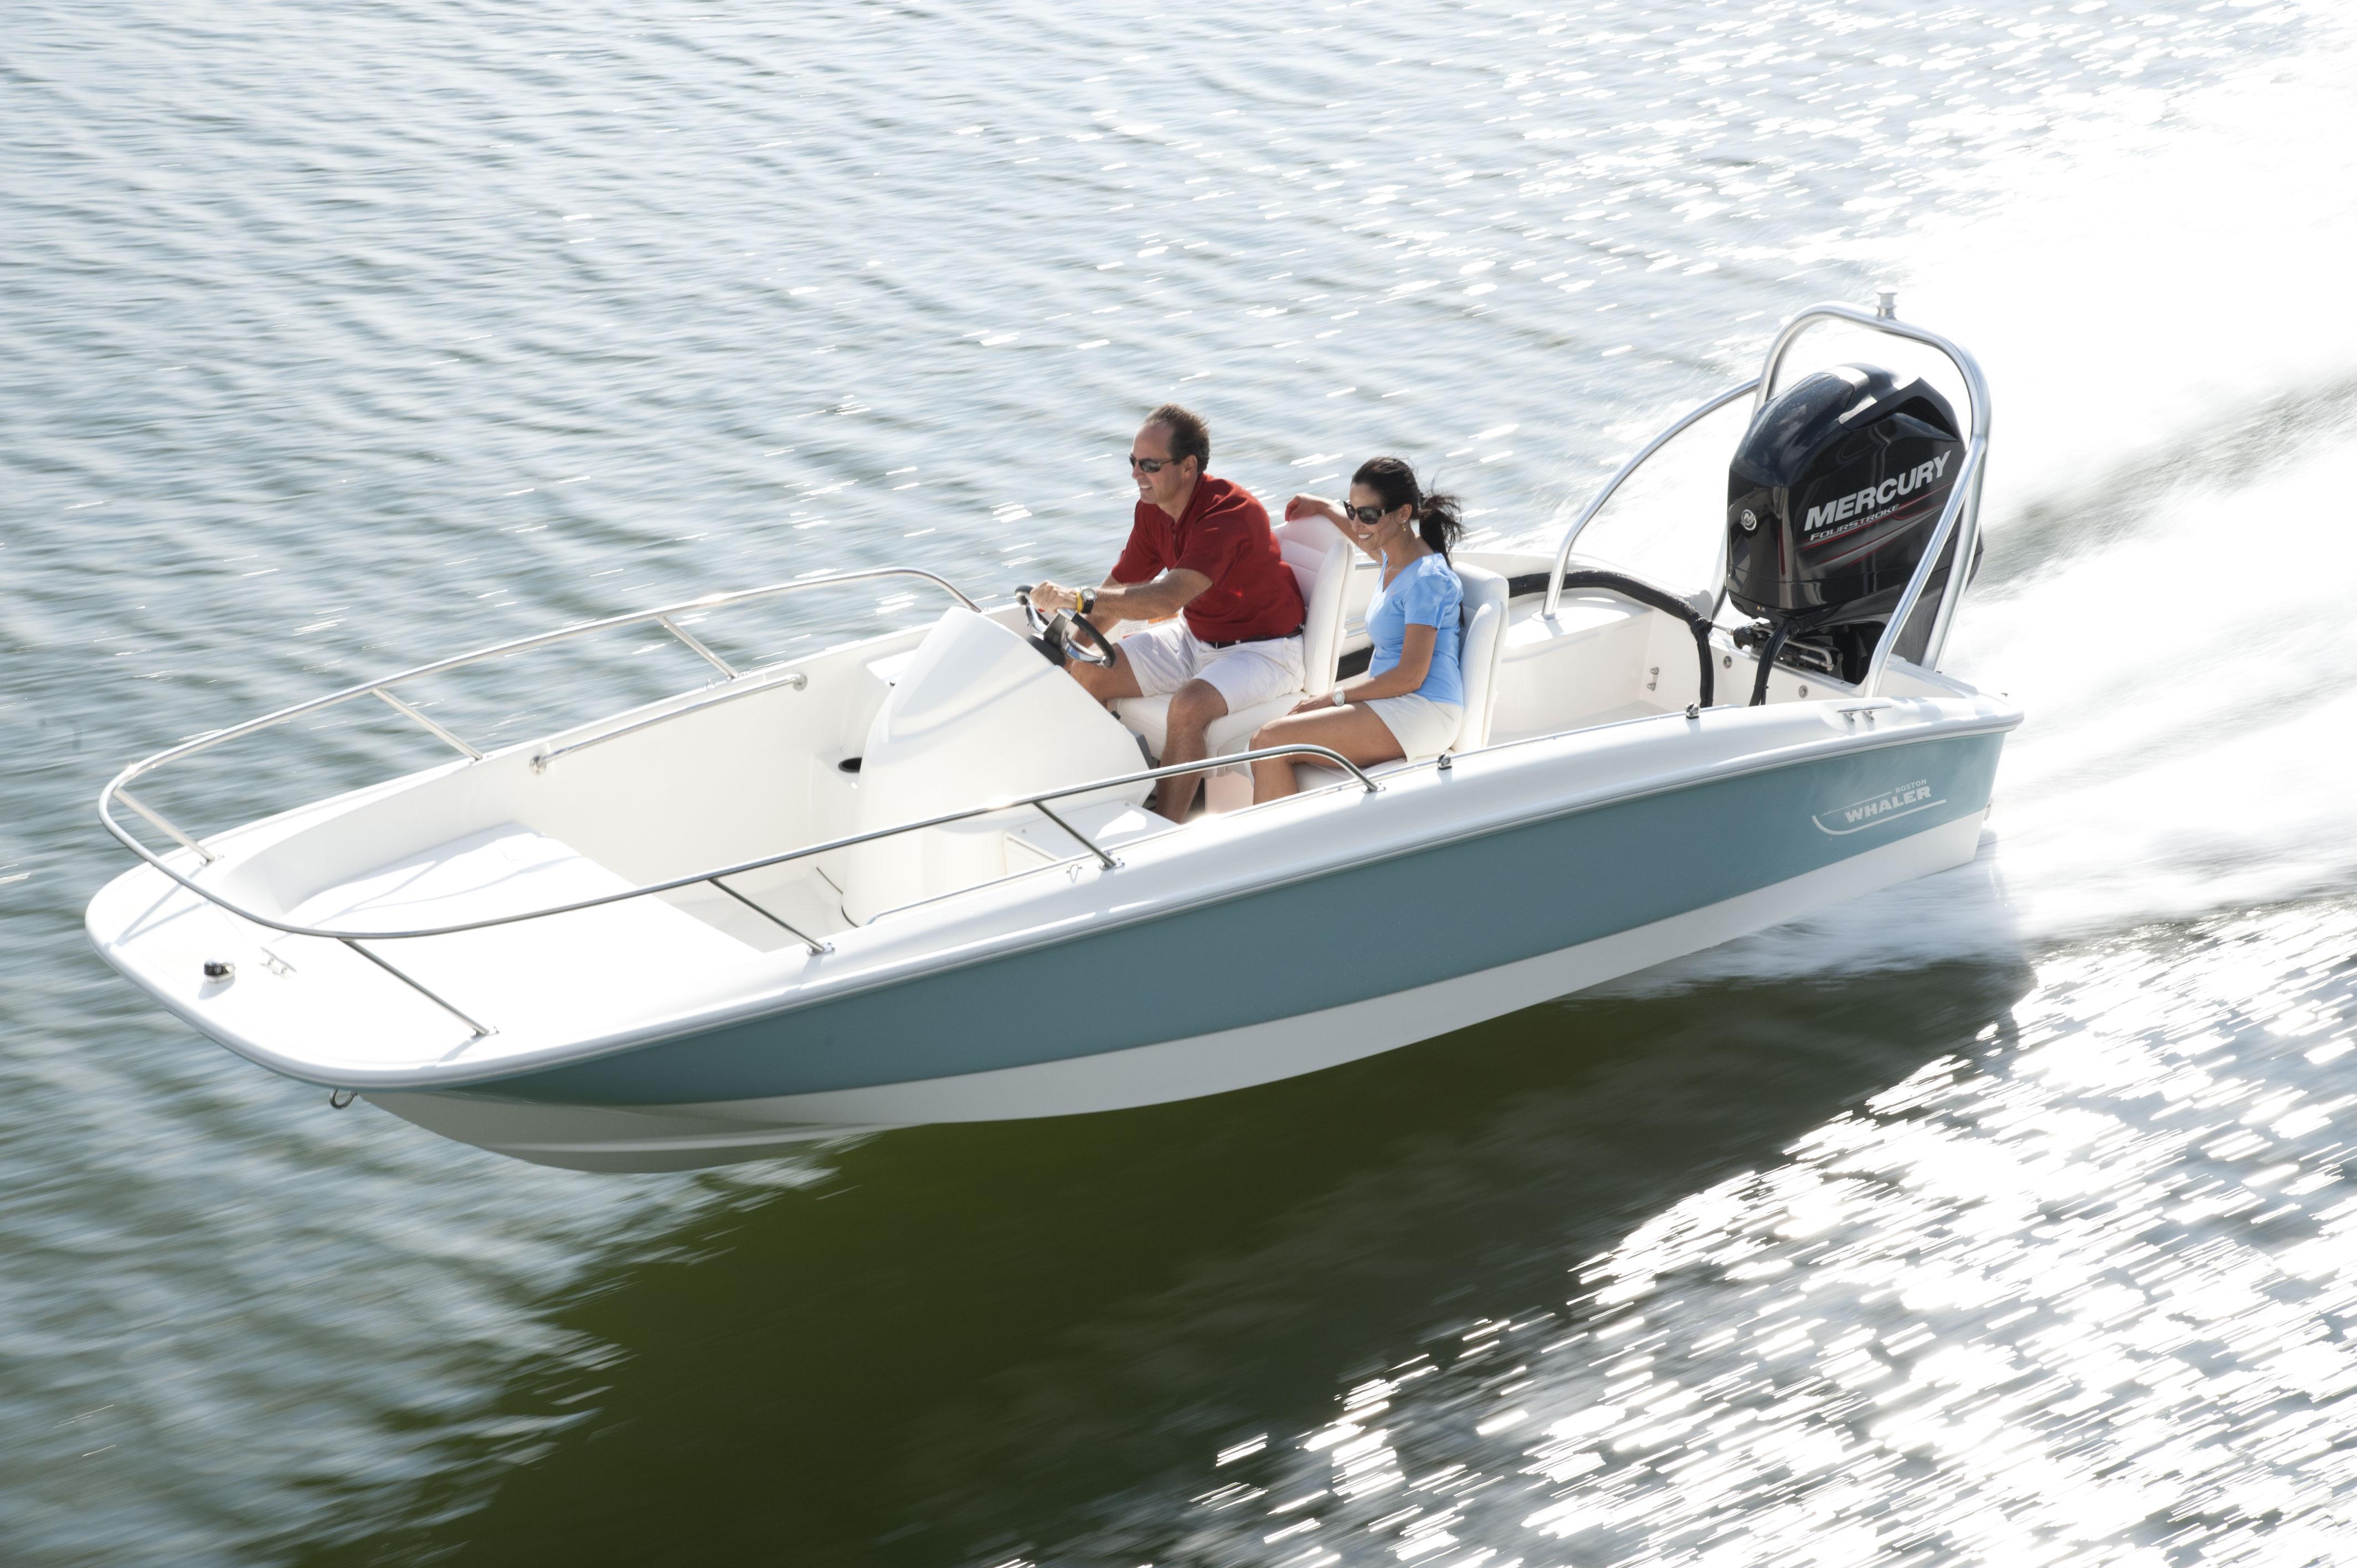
(1303, 506)
(1415, 663)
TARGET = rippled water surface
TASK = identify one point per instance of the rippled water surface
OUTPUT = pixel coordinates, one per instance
(2000, 1219)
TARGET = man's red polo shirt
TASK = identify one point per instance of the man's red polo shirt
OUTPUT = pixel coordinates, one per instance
(1225, 536)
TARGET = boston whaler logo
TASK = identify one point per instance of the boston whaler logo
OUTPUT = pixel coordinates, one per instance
(1858, 508)
(1875, 810)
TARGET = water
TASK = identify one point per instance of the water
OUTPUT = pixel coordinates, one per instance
(2002, 1218)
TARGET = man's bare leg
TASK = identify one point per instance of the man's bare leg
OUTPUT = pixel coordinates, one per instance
(1103, 683)
(1194, 708)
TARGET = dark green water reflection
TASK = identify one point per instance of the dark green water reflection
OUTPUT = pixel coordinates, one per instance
(972, 1337)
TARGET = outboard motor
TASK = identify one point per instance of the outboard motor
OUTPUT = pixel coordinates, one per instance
(1831, 502)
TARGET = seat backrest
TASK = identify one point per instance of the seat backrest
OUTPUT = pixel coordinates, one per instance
(1321, 559)
(1483, 616)
(1366, 576)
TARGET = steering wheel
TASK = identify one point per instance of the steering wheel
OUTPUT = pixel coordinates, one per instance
(1062, 635)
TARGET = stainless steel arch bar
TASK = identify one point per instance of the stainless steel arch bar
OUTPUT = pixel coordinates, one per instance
(1975, 384)
(1961, 501)
(1571, 534)
(1968, 536)
(1763, 387)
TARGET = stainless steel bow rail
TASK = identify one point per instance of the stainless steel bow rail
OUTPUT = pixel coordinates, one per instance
(735, 683)
(1963, 499)
(757, 681)
(1038, 803)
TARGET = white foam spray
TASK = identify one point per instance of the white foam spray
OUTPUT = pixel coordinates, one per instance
(2162, 310)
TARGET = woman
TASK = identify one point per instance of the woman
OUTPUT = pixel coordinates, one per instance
(1409, 701)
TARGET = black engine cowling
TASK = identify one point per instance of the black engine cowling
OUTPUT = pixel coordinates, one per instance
(1831, 502)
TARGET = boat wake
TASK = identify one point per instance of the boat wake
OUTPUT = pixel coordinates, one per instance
(2184, 752)
(2162, 593)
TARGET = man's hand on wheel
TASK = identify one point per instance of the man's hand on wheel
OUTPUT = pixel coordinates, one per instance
(1049, 597)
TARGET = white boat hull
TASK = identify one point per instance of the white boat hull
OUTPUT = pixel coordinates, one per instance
(686, 1136)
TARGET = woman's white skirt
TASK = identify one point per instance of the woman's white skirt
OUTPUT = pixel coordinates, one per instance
(1422, 726)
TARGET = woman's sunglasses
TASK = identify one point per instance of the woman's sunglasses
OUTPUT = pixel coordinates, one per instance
(1364, 515)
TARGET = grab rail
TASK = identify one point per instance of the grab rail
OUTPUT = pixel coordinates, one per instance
(1037, 801)
(1968, 491)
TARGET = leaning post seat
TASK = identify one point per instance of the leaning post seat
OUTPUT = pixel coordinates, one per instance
(1321, 559)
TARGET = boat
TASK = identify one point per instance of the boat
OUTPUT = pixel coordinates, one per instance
(911, 878)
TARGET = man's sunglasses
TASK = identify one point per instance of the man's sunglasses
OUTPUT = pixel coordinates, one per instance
(1150, 465)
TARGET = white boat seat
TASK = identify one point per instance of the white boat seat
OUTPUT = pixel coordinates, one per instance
(1480, 650)
(1321, 559)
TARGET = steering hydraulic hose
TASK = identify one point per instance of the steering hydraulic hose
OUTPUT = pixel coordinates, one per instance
(1775, 639)
(1645, 594)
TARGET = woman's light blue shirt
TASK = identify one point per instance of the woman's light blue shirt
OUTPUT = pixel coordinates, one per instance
(1425, 593)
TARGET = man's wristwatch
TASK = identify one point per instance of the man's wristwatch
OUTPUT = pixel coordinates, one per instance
(1087, 600)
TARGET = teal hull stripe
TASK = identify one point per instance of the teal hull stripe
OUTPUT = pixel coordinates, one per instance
(1359, 932)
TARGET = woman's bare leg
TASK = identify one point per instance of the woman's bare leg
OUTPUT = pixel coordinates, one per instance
(1353, 731)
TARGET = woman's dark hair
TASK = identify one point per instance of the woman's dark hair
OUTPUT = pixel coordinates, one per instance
(1436, 515)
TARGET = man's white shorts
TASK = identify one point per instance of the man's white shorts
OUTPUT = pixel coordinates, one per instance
(1165, 657)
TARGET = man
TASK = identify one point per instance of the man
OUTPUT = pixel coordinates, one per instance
(1200, 548)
